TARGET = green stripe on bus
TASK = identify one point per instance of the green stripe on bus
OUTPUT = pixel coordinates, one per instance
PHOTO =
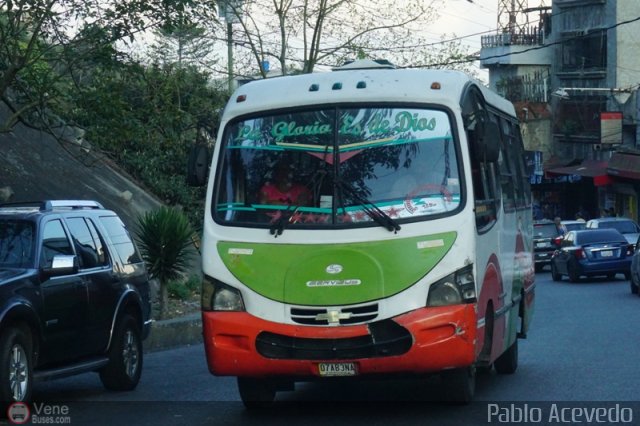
(334, 274)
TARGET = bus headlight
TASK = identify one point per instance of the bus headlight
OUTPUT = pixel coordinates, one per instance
(453, 289)
(218, 296)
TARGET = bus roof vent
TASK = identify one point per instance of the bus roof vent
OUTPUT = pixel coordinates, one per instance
(364, 64)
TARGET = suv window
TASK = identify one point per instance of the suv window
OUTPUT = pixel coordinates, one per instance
(17, 243)
(121, 240)
(54, 241)
(88, 248)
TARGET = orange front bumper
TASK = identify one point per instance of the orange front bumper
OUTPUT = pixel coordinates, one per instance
(443, 337)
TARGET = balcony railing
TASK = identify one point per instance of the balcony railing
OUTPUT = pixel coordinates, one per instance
(532, 37)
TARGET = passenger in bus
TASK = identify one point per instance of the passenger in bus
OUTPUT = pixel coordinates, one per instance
(282, 189)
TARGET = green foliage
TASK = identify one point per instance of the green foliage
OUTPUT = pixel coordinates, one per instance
(164, 237)
(182, 289)
(43, 52)
(147, 118)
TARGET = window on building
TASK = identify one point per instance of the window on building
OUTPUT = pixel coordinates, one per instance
(579, 116)
(585, 51)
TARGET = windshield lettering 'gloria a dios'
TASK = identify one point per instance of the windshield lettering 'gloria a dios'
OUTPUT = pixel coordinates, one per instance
(338, 168)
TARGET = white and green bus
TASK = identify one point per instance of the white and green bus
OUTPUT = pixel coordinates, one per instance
(364, 222)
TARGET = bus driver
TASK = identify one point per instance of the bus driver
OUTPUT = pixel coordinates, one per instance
(282, 190)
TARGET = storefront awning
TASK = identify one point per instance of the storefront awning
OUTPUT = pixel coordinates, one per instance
(588, 168)
(626, 165)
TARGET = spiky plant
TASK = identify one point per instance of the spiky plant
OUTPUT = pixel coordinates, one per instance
(164, 237)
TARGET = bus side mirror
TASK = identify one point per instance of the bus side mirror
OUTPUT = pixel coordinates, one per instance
(485, 140)
(491, 142)
(198, 165)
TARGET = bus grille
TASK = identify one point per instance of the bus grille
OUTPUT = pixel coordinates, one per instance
(344, 316)
(385, 338)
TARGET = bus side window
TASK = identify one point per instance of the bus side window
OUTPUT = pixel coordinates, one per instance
(486, 190)
(483, 138)
(508, 171)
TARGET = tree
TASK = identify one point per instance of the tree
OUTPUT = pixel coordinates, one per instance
(303, 34)
(146, 117)
(42, 51)
(164, 237)
(184, 44)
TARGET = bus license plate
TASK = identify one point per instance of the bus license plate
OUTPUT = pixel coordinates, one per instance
(329, 369)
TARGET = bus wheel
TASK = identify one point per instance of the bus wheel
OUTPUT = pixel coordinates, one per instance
(507, 363)
(460, 384)
(555, 275)
(256, 393)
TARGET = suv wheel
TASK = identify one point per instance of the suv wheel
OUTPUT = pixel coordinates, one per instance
(125, 357)
(16, 369)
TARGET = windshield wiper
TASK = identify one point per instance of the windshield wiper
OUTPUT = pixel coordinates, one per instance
(373, 211)
(278, 226)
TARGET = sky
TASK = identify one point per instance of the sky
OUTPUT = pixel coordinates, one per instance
(464, 19)
(469, 20)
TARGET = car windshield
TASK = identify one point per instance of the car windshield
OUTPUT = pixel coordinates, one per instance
(17, 243)
(574, 226)
(547, 230)
(624, 226)
(338, 167)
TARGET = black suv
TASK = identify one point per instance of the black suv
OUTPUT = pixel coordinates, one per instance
(544, 234)
(74, 296)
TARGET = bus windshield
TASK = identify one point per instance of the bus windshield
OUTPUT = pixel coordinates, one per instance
(338, 167)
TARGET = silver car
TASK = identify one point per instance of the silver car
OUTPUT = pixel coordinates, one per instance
(627, 227)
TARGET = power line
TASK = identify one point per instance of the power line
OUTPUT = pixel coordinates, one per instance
(543, 46)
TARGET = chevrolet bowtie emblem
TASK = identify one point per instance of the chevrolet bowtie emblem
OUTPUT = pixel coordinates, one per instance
(333, 316)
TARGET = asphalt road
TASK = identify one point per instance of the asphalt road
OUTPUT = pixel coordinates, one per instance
(582, 354)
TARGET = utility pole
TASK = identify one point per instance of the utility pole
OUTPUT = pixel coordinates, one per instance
(229, 10)
(230, 54)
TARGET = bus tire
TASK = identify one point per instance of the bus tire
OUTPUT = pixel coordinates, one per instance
(555, 275)
(507, 363)
(460, 384)
(256, 393)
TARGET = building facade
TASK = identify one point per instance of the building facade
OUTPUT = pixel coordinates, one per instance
(573, 72)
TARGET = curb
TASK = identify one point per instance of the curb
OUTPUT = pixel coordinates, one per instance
(171, 333)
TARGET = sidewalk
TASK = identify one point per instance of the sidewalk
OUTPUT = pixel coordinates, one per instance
(171, 333)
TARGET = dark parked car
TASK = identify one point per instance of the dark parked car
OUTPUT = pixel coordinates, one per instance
(635, 269)
(592, 252)
(74, 296)
(544, 234)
